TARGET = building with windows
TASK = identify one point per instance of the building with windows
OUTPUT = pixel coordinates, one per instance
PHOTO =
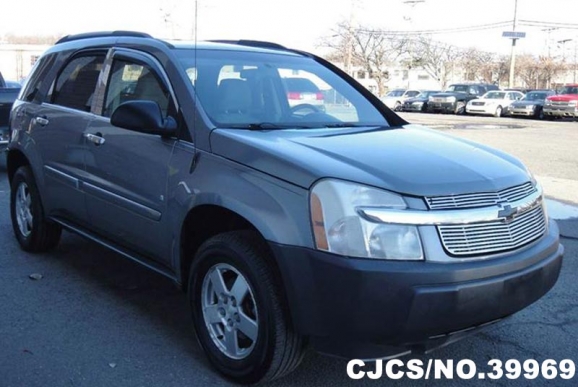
(16, 60)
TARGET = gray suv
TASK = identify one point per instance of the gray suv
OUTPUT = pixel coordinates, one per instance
(345, 228)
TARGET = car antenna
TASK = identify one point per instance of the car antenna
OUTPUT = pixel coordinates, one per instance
(195, 105)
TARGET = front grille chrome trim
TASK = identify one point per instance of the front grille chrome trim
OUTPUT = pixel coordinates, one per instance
(500, 212)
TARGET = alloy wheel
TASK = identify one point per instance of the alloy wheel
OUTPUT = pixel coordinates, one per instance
(229, 311)
(23, 207)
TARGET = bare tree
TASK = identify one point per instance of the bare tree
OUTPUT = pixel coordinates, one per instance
(528, 69)
(475, 63)
(549, 69)
(437, 59)
(31, 39)
(372, 49)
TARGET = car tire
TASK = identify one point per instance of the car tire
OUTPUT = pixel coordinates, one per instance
(250, 354)
(34, 232)
(540, 114)
(460, 108)
(498, 112)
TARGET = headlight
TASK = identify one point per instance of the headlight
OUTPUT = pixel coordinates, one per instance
(430, 99)
(339, 229)
(451, 99)
(572, 103)
(548, 103)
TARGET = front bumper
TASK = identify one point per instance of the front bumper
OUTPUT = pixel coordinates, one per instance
(363, 308)
(487, 110)
(442, 107)
(413, 107)
(561, 111)
(525, 112)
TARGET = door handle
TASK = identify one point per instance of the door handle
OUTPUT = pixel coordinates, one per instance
(42, 121)
(96, 139)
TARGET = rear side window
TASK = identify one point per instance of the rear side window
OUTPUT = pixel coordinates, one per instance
(36, 78)
(75, 85)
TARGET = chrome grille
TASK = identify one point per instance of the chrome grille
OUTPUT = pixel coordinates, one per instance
(480, 199)
(495, 236)
(560, 103)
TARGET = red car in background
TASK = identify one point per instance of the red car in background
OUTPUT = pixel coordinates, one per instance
(564, 104)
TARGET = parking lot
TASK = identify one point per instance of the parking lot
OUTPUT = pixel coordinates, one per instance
(95, 319)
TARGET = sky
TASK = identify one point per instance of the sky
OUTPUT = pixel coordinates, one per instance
(297, 23)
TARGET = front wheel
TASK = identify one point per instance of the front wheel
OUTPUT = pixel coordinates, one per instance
(498, 112)
(239, 311)
(540, 114)
(460, 108)
(33, 231)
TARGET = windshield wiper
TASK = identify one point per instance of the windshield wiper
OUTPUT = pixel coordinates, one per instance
(347, 125)
(265, 126)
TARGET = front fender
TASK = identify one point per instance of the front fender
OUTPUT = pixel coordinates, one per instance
(277, 209)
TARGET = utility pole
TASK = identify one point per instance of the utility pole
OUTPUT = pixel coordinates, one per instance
(513, 54)
(575, 55)
(412, 4)
(563, 43)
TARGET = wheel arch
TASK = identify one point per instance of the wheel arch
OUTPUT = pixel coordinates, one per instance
(203, 222)
(14, 160)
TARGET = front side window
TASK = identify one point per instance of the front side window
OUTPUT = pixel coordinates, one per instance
(267, 90)
(134, 81)
(76, 84)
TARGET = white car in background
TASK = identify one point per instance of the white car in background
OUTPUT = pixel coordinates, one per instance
(395, 98)
(493, 103)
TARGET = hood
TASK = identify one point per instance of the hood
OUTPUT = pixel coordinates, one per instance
(449, 94)
(411, 160)
(536, 102)
(564, 97)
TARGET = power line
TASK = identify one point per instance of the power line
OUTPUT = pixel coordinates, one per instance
(481, 27)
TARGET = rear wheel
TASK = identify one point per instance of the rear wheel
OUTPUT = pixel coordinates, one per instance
(33, 231)
(239, 311)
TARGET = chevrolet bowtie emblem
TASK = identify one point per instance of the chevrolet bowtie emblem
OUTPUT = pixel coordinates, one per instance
(507, 213)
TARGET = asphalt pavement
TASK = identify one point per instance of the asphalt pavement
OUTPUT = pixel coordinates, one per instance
(92, 318)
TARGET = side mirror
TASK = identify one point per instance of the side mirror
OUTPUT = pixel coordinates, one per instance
(143, 116)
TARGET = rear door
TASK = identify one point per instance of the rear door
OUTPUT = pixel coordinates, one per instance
(57, 126)
(126, 171)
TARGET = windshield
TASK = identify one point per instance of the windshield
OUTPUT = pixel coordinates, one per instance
(395, 93)
(494, 95)
(569, 90)
(426, 94)
(459, 88)
(532, 96)
(256, 90)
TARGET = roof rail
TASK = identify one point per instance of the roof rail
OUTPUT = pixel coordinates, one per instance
(252, 43)
(102, 34)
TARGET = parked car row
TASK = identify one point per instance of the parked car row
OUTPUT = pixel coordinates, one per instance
(484, 99)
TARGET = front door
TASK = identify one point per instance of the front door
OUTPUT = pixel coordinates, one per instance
(127, 171)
